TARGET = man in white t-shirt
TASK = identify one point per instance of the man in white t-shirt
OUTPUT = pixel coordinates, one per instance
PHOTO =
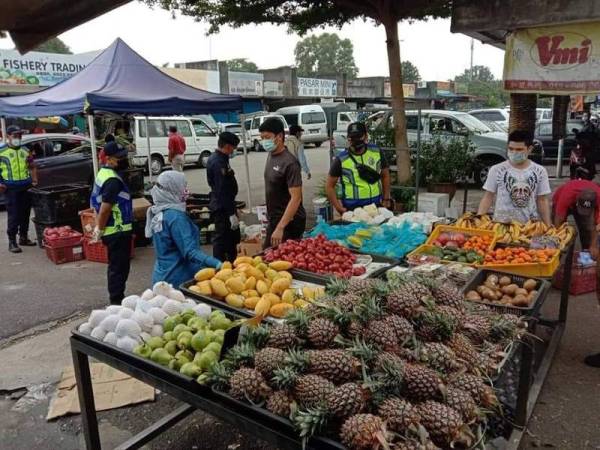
(518, 187)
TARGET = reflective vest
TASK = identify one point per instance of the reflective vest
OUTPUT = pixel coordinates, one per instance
(356, 191)
(122, 211)
(14, 170)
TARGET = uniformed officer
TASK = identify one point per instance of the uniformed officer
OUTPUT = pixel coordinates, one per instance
(363, 171)
(224, 188)
(114, 216)
(17, 175)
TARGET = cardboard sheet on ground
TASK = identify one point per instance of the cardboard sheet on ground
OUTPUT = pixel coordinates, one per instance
(112, 389)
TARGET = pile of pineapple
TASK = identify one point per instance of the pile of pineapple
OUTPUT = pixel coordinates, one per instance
(252, 284)
(402, 363)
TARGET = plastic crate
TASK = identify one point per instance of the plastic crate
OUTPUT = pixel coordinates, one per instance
(59, 242)
(58, 203)
(439, 229)
(545, 270)
(88, 221)
(423, 247)
(40, 227)
(98, 252)
(583, 279)
(67, 254)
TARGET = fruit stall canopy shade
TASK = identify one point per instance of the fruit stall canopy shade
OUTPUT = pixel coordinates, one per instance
(119, 81)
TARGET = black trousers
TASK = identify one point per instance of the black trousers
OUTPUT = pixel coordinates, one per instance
(584, 228)
(18, 209)
(293, 230)
(224, 240)
(119, 261)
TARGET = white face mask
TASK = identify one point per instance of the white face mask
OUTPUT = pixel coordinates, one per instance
(15, 142)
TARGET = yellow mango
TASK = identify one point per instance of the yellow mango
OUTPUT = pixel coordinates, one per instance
(271, 274)
(308, 293)
(280, 310)
(280, 285)
(262, 267)
(250, 293)
(205, 274)
(250, 302)
(268, 282)
(288, 296)
(195, 288)
(286, 274)
(242, 260)
(262, 307)
(274, 299)
(235, 300)
(224, 274)
(301, 303)
(257, 260)
(250, 283)
(235, 285)
(254, 272)
(281, 265)
(226, 265)
(262, 287)
(218, 287)
(204, 287)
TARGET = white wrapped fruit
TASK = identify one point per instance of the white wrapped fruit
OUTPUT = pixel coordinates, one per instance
(85, 328)
(158, 315)
(110, 338)
(144, 320)
(126, 313)
(130, 302)
(147, 295)
(110, 322)
(128, 327)
(97, 316)
(114, 309)
(171, 307)
(203, 310)
(98, 333)
(127, 343)
(162, 288)
(157, 330)
(159, 301)
(145, 337)
(174, 294)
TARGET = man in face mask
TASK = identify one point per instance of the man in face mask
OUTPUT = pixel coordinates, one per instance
(17, 175)
(114, 217)
(363, 171)
(283, 186)
(518, 188)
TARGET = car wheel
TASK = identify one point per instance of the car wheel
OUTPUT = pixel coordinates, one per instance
(203, 161)
(482, 169)
(156, 164)
(257, 147)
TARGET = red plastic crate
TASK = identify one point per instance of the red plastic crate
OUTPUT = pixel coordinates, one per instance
(583, 279)
(98, 252)
(61, 255)
(60, 242)
(88, 221)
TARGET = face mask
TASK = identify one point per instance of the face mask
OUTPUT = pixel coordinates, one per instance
(233, 154)
(16, 142)
(517, 157)
(123, 164)
(358, 146)
(268, 144)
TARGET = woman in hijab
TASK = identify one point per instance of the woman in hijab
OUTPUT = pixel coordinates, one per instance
(176, 238)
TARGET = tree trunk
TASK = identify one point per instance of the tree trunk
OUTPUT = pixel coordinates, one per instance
(522, 112)
(403, 163)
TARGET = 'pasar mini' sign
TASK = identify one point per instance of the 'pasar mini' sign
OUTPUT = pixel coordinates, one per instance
(555, 60)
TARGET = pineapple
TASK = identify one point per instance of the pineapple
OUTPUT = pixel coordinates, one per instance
(268, 359)
(476, 327)
(347, 400)
(403, 303)
(354, 329)
(447, 294)
(361, 287)
(438, 357)
(337, 286)
(381, 334)
(311, 390)
(455, 314)
(464, 350)
(283, 336)
(474, 385)
(257, 337)
(346, 302)
(421, 383)
(434, 325)
(444, 424)
(506, 328)
(462, 402)
(335, 365)
(403, 328)
(363, 432)
(321, 332)
(280, 403)
(241, 355)
(248, 384)
(412, 444)
(399, 414)
(298, 318)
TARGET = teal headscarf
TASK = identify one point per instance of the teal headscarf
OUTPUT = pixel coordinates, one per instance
(168, 193)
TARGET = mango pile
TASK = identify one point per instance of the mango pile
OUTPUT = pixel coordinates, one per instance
(253, 284)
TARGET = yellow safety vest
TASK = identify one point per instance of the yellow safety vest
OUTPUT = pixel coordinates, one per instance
(354, 188)
(14, 170)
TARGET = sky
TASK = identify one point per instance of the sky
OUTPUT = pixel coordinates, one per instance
(437, 53)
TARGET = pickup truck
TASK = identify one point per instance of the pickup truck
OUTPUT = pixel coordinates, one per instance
(490, 146)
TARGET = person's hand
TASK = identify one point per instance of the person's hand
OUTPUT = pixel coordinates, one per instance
(34, 183)
(234, 221)
(387, 203)
(276, 237)
(96, 235)
(308, 175)
(594, 252)
(2, 188)
(341, 210)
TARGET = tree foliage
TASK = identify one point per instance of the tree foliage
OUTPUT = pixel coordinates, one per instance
(241, 65)
(54, 45)
(325, 54)
(480, 73)
(410, 73)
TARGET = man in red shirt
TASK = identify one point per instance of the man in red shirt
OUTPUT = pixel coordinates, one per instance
(176, 149)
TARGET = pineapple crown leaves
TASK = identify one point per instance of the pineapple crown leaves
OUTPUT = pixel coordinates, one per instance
(337, 286)
(299, 319)
(369, 309)
(359, 348)
(218, 375)
(310, 421)
(297, 359)
(256, 336)
(336, 315)
(241, 355)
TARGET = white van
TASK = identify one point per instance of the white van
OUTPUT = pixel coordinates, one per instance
(252, 124)
(311, 118)
(200, 139)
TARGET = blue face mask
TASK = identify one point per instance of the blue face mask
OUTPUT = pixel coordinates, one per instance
(517, 157)
(233, 154)
(268, 144)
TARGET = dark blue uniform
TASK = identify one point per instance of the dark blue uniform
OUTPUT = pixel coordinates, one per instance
(224, 188)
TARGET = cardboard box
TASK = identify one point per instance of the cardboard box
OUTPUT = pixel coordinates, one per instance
(140, 206)
(250, 248)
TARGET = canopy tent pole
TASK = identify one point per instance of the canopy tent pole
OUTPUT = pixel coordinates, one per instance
(148, 144)
(3, 127)
(242, 119)
(92, 131)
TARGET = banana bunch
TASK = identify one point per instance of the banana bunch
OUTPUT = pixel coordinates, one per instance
(534, 228)
(470, 220)
(564, 233)
(509, 233)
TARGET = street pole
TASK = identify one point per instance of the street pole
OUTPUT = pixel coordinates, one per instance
(472, 51)
(243, 126)
(417, 174)
(92, 131)
(148, 152)
(3, 127)
(559, 158)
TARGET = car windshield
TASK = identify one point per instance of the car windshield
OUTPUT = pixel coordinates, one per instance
(473, 124)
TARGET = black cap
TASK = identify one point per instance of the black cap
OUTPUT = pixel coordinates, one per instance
(14, 129)
(586, 202)
(115, 150)
(272, 125)
(294, 129)
(356, 130)
(227, 137)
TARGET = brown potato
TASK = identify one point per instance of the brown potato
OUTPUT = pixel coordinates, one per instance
(488, 284)
(521, 291)
(520, 300)
(492, 279)
(529, 284)
(510, 289)
(504, 281)
(506, 299)
(488, 294)
(481, 289)
(473, 296)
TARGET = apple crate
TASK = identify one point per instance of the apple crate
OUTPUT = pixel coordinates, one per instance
(98, 252)
(65, 254)
(439, 229)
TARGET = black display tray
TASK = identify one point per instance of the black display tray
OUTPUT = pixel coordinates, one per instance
(541, 288)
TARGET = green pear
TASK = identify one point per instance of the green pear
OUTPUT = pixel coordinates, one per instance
(206, 359)
(177, 318)
(184, 340)
(187, 316)
(202, 379)
(169, 324)
(161, 356)
(178, 329)
(156, 342)
(197, 323)
(144, 350)
(214, 347)
(190, 369)
(184, 354)
(168, 336)
(171, 347)
(173, 364)
(200, 340)
(179, 362)
(220, 323)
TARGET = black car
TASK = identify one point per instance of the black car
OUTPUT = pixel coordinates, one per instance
(543, 133)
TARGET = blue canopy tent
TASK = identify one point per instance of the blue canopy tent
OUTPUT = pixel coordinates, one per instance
(120, 81)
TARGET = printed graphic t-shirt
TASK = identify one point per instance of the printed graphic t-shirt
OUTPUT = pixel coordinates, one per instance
(516, 190)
